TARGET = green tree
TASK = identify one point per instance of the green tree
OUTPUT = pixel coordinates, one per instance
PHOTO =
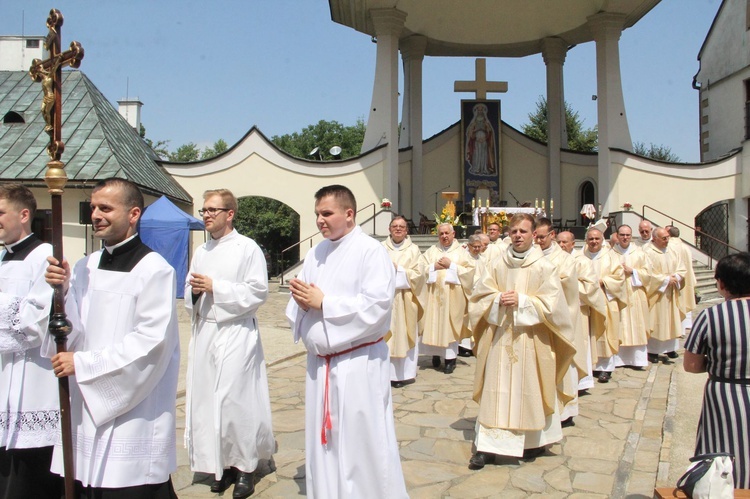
(323, 135)
(660, 152)
(272, 224)
(219, 147)
(579, 138)
(186, 152)
(160, 147)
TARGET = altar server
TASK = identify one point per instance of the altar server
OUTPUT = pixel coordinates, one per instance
(341, 309)
(123, 358)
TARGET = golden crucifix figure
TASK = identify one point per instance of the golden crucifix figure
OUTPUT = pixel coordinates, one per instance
(49, 73)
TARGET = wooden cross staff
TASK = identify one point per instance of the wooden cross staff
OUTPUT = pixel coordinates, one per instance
(49, 73)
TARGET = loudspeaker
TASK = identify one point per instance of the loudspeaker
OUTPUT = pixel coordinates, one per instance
(84, 213)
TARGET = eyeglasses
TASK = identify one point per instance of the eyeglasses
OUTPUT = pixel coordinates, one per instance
(212, 212)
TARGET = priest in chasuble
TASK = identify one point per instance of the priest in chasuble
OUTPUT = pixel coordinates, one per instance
(666, 307)
(450, 279)
(611, 278)
(402, 337)
(524, 349)
(592, 305)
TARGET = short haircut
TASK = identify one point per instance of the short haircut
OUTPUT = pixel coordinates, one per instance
(132, 195)
(474, 238)
(399, 217)
(673, 231)
(594, 230)
(19, 196)
(227, 198)
(567, 234)
(734, 272)
(544, 222)
(342, 194)
(494, 223)
(520, 217)
(445, 223)
(624, 225)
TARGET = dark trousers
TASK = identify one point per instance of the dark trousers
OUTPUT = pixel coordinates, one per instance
(24, 473)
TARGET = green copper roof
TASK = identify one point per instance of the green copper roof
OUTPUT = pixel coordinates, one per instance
(99, 143)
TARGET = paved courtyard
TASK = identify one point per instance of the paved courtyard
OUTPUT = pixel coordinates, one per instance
(622, 445)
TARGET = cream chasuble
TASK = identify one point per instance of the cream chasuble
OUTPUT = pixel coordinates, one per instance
(407, 303)
(523, 353)
(447, 295)
(687, 294)
(663, 299)
(608, 269)
(635, 327)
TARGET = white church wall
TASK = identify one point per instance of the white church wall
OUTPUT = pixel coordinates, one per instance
(679, 191)
(724, 51)
(255, 168)
(524, 168)
(441, 169)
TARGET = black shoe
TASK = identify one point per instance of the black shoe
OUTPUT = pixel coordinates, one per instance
(653, 358)
(596, 374)
(435, 361)
(464, 352)
(604, 377)
(479, 459)
(530, 454)
(245, 485)
(583, 393)
(227, 479)
(567, 423)
(397, 384)
(450, 366)
(672, 355)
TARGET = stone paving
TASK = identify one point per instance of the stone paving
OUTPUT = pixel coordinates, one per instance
(619, 447)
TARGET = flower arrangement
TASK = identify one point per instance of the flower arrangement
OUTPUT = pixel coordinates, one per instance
(500, 218)
(385, 203)
(447, 217)
(627, 206)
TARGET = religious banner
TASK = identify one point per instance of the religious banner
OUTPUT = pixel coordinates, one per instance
(480, 150)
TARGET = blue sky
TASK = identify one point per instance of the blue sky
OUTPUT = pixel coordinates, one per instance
(211, 70)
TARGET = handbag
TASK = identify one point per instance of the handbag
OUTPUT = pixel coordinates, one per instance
(710, 476)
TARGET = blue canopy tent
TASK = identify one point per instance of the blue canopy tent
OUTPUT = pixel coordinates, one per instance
(165, 229)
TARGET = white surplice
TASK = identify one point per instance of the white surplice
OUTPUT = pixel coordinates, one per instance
(228, 408)
(361, 457)
(29, 410)
(127, 357)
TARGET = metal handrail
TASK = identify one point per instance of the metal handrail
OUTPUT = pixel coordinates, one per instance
(697, 231)
(309, 238)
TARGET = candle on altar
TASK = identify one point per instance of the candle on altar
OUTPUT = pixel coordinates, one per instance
(542, 204)
(536, 203)
(473, 203)
(488, 202)
(551, 204)
(600, 208)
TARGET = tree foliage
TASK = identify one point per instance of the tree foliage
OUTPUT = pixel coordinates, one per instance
(660, 152)
(219, 147)
(186, 152)
(271, 223)
(323, 135)
(579, 138)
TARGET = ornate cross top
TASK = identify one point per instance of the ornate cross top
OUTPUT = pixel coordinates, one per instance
(49, 72)
(480, 85)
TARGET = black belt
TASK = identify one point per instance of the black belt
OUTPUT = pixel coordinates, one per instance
(738, 381)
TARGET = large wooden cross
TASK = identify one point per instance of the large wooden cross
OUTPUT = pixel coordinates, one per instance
(480, 85)
(49, 73)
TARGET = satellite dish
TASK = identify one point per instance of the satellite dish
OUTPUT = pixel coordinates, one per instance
(314, 151)
(335, 151)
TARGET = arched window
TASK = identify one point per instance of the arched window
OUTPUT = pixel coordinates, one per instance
(12, 118)
(587, 196)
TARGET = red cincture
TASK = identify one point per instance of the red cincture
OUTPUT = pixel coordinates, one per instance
(327, 425)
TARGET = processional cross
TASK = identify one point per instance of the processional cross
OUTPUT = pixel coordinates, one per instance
(49, 73)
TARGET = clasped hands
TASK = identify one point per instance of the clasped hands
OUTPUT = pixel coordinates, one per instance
(443, 264)
(509, 298)
(306, 295)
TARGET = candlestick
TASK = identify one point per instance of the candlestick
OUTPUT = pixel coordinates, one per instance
(551, 204)
(536, 203)
(543, 205)
(473, 203)
(488, 202)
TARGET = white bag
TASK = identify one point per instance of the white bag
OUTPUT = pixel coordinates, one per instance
(709, 477)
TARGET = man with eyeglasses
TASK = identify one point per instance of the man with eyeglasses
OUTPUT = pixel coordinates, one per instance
(566, 266)
(667, 282)
(644, 229)
(402, 338)
(635, 326)
(228, 420)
